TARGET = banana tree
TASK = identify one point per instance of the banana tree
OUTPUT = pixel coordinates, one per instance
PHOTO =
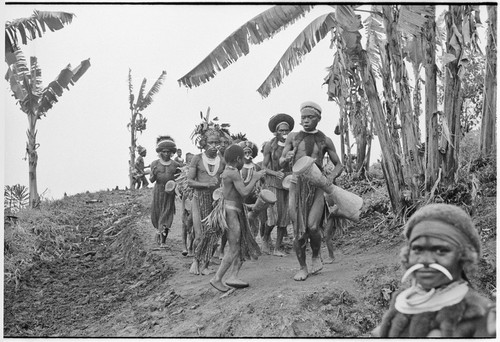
(488, 123)
(137, 120)
(26, 81)
(267, 24)
(461, 34)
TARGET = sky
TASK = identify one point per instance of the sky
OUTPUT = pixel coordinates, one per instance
(84, 138)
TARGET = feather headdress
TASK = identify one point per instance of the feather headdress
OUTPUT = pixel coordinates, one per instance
(207, 125)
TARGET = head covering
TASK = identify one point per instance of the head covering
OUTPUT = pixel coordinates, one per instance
(140, 149)
(207, 127)
(278, 119)
(310, 108)
(463, 231)
(165, 142)
(248, 145)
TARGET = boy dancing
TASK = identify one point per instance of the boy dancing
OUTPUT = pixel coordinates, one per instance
(235, 222)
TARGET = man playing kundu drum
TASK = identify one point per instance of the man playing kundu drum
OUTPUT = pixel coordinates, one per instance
(279, 124)
(306, 201)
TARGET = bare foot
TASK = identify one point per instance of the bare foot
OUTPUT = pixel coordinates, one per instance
(279, 253)
(302, 274)
(329, 260)
(317, 265)
(190, 253)
(194, 268)
(265, 247)
(221, 256)
(219, 285)
(237, 283)
(207, 271)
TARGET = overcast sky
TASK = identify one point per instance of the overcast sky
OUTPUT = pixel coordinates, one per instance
(84, 140)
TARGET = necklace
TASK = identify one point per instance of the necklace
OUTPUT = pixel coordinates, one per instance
(281, 143)
(416, 300)
(207, 162)
(166, 163)
(310, 132)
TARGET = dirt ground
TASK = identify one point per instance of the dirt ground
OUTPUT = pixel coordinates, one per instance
(119, 284)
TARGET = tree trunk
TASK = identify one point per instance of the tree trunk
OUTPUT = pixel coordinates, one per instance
(31, 146)
(342, 140)
(452, 99)
(348, 158)
(366, 161)
(488, 123)
(390, 161)
(432, 155)
(132, 148)
(412, 164)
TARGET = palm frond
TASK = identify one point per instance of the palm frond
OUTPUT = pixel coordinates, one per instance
(148, 99)
(140, 96)
(130, 90)
(412, 18)
(293, 56)
(441, 29)
(30, 101)
(54, 89)
(375, 38)
(35, 75)
(33, 27)
(16, 73)
(255, 31)
(80, 70)
(347, 19)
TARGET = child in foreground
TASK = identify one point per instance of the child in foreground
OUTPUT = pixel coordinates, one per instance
(239, 237)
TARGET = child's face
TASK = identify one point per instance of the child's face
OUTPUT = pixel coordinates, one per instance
(248, 156)
(224, 143)
(239, 163)
(165, 154)
(428, 250)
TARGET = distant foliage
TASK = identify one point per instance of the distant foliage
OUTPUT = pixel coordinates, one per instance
(16, 197)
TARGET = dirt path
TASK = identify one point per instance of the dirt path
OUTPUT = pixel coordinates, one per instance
(129, 288)
(274, 304)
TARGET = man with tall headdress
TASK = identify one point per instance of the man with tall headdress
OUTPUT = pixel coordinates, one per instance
(280, 125)
(306, 201)
(204, 177)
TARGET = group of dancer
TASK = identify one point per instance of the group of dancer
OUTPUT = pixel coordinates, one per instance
(225, 166)
(222, 184)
